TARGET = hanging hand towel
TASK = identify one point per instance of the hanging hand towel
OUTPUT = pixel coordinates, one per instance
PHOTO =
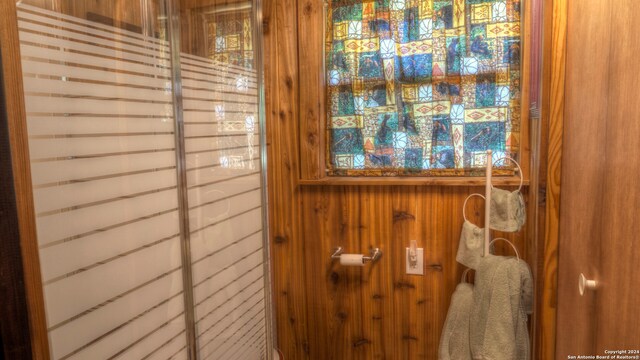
(470, 247)
(454, 341)
(508, 212)
(526, 307)
(498, 329)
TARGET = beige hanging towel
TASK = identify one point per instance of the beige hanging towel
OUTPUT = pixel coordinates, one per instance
(454, 341)
(498, 321)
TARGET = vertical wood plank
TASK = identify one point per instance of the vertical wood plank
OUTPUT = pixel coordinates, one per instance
(17, 126)
(337, 231)
(404, 287)
(376, 321)
(321, 273)
(284, 198)
(553, 114)
(524, 154)
(312, 104)
(421, 317)
(349, 226)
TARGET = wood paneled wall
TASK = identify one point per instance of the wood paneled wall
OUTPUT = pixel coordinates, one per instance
(325, 311)
(378, 311)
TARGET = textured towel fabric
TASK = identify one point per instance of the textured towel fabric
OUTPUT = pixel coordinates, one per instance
(498, 321)
(526, 308)
(507, 210)
(454, 341)
(470, 247)
(527, 287)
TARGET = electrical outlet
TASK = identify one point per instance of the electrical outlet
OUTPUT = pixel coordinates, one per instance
(418, 268)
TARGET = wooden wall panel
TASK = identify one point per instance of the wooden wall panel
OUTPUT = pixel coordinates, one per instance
(374, 312)
(379, 312)
(288, 262)
(312, 135)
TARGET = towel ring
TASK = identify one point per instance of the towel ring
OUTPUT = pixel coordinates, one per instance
(464, 206)
(510, 243)
(517, 165)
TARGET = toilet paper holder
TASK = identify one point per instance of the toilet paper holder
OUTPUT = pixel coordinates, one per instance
(374, 254)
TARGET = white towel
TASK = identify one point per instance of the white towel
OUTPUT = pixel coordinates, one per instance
(471, 245)
(508, 210)
(498, 322)
(526, 307)
(454, 341)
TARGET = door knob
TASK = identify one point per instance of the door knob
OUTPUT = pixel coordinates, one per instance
(584, 283)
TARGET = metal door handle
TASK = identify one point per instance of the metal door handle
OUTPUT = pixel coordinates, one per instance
(584, 283)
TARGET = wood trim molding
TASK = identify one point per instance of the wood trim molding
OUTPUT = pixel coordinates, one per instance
(553, 100)
(12, 73)
(413, 181)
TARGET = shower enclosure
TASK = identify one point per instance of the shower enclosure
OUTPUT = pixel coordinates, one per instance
(146, 140)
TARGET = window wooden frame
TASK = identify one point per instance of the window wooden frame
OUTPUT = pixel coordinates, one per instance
(312, 106)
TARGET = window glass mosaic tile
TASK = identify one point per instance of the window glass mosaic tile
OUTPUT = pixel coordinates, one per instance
(421, 87)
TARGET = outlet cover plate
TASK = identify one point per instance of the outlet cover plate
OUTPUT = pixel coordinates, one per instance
(419, 268)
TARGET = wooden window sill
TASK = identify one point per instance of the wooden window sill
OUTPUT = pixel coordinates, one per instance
(412, 181)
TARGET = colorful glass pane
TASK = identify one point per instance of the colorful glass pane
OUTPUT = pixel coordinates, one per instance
(421, 87)
(230, 38)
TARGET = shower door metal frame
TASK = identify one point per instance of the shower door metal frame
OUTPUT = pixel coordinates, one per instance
(270, 329)
(173, 28)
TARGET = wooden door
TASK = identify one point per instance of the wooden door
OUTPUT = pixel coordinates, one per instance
(600, 196)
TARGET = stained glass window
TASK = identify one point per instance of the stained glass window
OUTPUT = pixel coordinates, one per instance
(229, 37)
(421, 87)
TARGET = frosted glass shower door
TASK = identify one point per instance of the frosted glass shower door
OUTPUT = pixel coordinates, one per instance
(146, 159)
(101, 138)
(220, 88)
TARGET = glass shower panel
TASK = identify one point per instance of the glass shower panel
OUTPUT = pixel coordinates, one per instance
(223, 160)
(97, 79)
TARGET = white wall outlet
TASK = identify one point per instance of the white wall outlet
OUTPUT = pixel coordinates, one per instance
(415, 267)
